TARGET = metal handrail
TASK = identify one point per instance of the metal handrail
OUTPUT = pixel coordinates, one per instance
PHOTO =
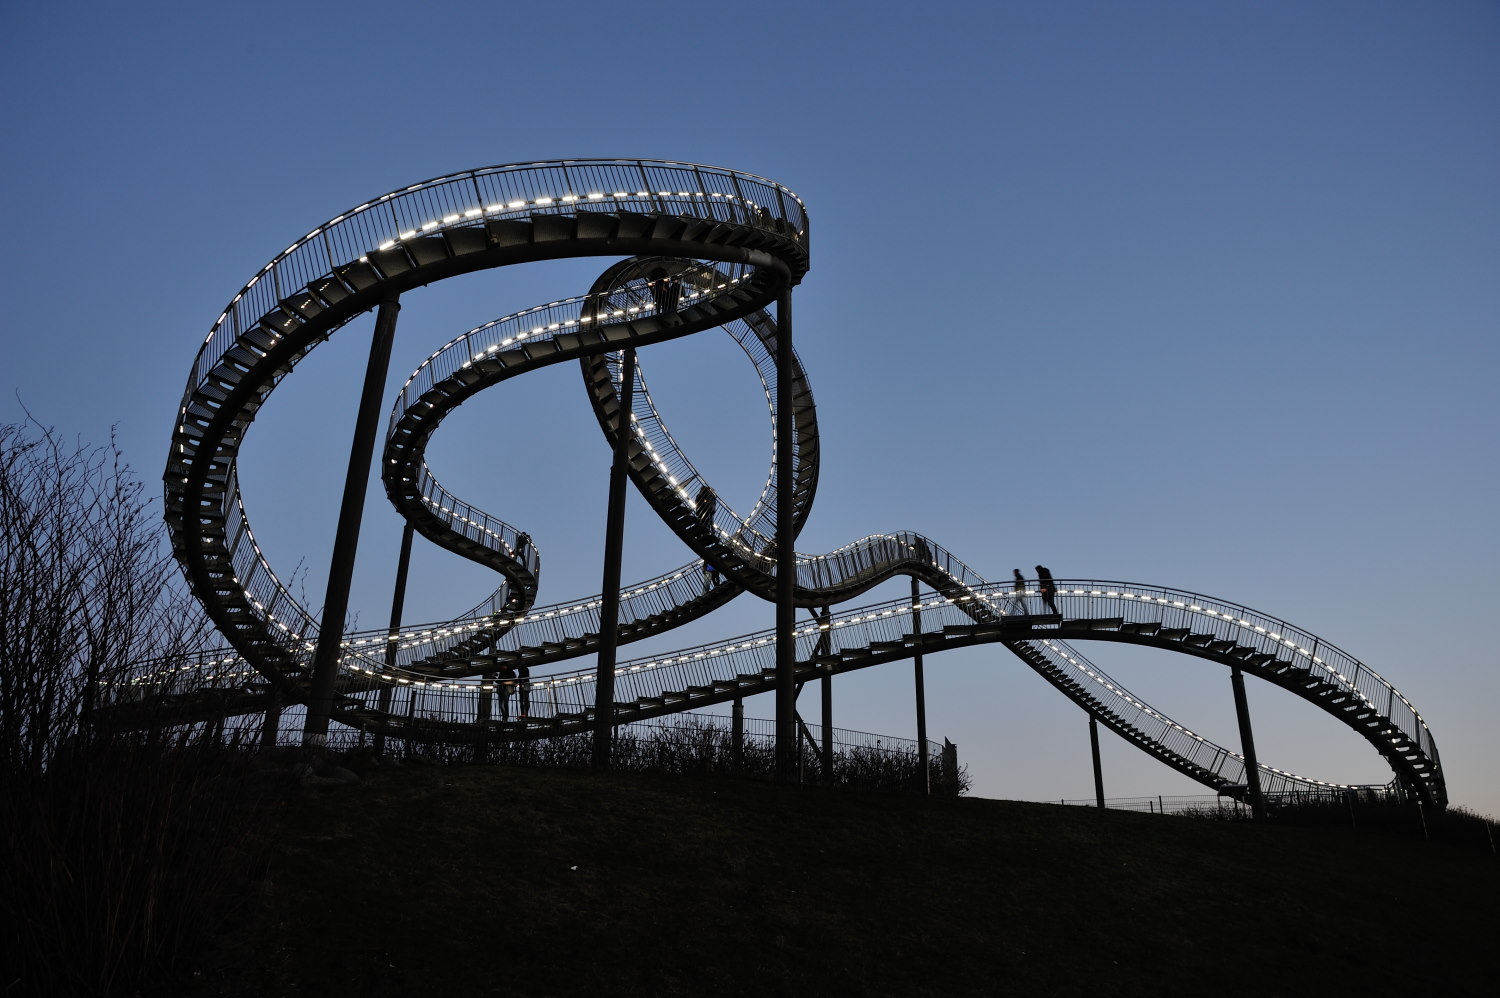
(859, 629)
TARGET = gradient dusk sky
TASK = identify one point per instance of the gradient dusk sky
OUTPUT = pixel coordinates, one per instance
(1195, 294)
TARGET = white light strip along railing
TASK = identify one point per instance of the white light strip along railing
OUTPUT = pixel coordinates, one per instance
(474, 197)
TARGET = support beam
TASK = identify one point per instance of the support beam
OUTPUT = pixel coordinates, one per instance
(346, 540)
(1247, 743)
(786, 555)
(614, 542)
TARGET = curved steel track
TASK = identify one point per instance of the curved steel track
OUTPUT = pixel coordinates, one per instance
(703, 249)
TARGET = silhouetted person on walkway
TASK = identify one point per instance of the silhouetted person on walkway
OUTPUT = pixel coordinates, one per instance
(523, 546)
(1020, 583)
(523, 691)
(1047, 586)
(710, 576)
(505, 684)
(665, 291)
(707, 504)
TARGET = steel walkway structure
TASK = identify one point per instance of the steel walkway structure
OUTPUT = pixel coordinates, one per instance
(704, 249)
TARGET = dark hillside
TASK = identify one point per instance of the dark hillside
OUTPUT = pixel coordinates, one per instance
(494, 881)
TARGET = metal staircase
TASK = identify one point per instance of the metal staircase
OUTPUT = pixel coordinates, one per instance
(704, 249)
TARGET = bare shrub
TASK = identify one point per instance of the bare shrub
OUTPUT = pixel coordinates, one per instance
(118, 843)
(702, 746)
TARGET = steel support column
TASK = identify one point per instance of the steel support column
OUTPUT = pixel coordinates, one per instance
(786, 555)
(270, 727)
(1098, 768)
(346, 539)
(398, 604)
(614, 542)
(737, 734)
(1247, 743)
(825, 693)
(916, 631)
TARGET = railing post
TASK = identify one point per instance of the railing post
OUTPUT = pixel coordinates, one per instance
(786, 555)
(346, 539)
(1247, 743)
(614, 541)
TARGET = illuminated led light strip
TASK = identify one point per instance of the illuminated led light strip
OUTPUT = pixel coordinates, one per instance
(545, 201)
(1349, 685)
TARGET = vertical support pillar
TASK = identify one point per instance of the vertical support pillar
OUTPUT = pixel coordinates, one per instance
(614, 542)
(786, 555)
(411, 713)
(1098, 767)
(916, 632)
(483, 710)
(950, 768)
(737, 734)
(346, 540)
(398, 604)
(270, 728)
(1247, 744)
(825, 695)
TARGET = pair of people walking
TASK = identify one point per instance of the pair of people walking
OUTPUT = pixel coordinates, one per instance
(508, 682)
(1044, 585)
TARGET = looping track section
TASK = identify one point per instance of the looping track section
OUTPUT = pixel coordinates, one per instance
(689, 249)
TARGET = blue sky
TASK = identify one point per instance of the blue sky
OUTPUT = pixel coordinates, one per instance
(1200, 295)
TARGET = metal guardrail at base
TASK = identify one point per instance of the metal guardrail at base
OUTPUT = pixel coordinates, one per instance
(1223, 805)
(1191, 804)
(857, 754)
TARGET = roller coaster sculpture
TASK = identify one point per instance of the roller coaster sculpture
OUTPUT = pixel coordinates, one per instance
(703, 249)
